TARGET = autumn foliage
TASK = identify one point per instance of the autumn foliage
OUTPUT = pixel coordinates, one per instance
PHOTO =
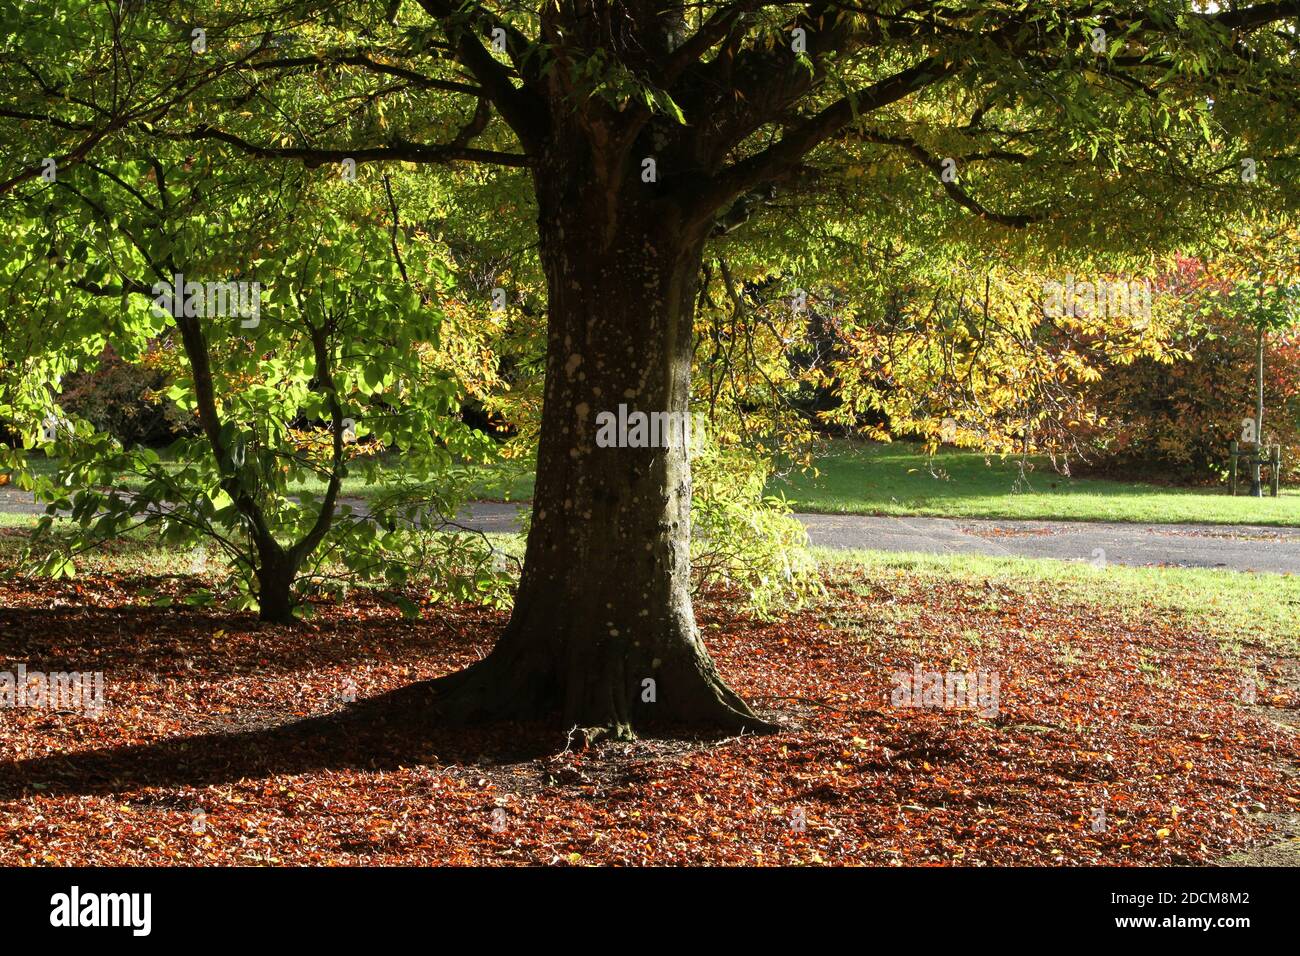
(1174, 418)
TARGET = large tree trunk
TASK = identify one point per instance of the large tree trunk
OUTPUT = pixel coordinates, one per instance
(603, 635)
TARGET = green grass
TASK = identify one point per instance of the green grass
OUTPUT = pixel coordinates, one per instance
(898, 479)
(503, 481)
(1237, 608)
(141, 553)
(22, 521)
(136, 553)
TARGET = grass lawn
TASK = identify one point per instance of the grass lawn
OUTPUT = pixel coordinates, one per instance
(501, 481)
(1238, 608)
(897, 479)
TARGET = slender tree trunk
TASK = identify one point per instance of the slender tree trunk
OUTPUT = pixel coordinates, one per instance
(1256, 485)
(276, 568)
(603, 634)
(275, 575)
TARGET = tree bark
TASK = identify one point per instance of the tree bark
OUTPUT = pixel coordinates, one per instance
(603, 634)
(276, 571)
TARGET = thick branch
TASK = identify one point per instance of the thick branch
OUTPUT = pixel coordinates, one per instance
(366, 63)
(785, 154)
(520, 108)
(951, 187)
(397, 151)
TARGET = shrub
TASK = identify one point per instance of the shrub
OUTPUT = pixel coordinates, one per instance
(743, 538)
(125, 400)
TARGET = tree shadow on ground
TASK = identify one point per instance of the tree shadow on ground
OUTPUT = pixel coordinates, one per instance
(391, 730)
(383, 733)
(395, 729)
(128, 638)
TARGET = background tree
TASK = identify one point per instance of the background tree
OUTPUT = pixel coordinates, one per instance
(1174, 417)
(1267, 309)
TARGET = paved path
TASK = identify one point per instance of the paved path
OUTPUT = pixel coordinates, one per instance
(1235, 547)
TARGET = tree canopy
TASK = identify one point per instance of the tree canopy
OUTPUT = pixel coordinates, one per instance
(548, 209)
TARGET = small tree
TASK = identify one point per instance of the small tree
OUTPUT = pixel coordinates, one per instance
(1269, 309)
(290, 359)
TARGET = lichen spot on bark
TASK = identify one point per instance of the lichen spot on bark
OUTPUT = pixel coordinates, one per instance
(572, 364)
